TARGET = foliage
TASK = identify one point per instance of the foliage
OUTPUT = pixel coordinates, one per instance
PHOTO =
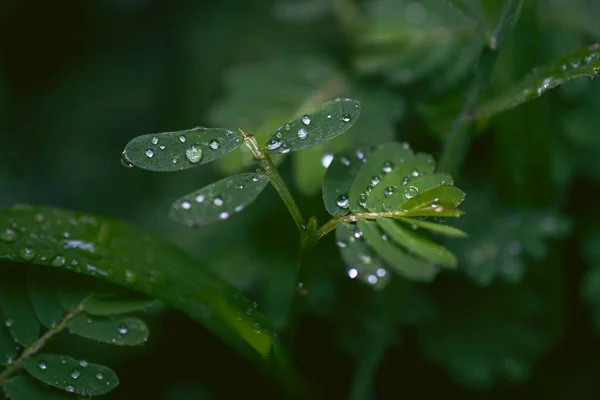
(399, 286)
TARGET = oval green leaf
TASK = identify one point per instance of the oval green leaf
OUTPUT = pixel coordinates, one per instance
(359, 258)
(414, 188)
(120, 331)
(20, 318)
(218, 200)
(317, 126)
(372, 170)
(97, 306)
(434, 227)
(8, 347)
(127, 256)
(580, 63)
(417, 244)
(175, 151)
(400, 176)
(407, 266)
(339, 177)
(444, 197)
(25, 388)
(72, 376)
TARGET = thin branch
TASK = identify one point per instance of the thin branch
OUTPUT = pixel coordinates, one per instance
(36, 346)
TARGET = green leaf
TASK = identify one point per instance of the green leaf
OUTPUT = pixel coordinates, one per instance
(317, 126)
(399, 179)
(175, 151)
(127, 256)
(118, 306)
(73, 376)
(361, 261)
(20, 318)
(25, 388)
(120, 331)
(44, 297)
(218, 200)
(434, 227)
(339, 177)
(582, 62)
(397, 258)
(384, 156)
(443, 196)
(8, 347)
(417, 244)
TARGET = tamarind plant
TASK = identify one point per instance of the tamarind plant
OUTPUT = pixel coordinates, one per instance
(475, 278)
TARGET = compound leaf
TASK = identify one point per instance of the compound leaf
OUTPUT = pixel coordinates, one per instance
(582, 62)
(175, 151)
(218, 200)
(314, 127)
(72, 376)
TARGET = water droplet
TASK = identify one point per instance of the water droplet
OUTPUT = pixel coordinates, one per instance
(240, 187)
(326, 160)
(387, 167)
(122, 330)
(199, 198)
(306, 120)
(27, 254)
(42, 365)
(162, 147)
(411, 192)
(328, 116)
(255, 179)
(70, 388)
(278, 134)
(130, 276)
(186, 205)
(381, 272)
(8, 235)
(342, 201)
(389, 190)
(405, 146)
(239, 208)
(99, 376)
(214, 144)
(375, 180)
(84, 363)
(224, 215)
(285, 149)
(362, 201)
(365, 258)
(405, 180)
(384, 236)
(302, 134)
(218, 201)
(274, 144)
(372, 279)
(154, 140)
(344, 160)
(39, 218)
(58, 261)
(352, 273)
(182, 139)
(415, 173)
(125, 160)
(75, 374)
(287, 127)
(358, 234)
(346, 118)
(193, 154)
(174, 161)
(341, 244)
(360, 155)
(149, 153)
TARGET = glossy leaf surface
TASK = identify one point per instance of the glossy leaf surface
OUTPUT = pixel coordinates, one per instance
(339, 177)
(25, 388)
(120, 331)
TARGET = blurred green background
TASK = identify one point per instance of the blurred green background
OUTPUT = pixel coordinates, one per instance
(520, 317)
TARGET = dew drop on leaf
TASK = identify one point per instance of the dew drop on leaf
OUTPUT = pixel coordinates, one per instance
(8, 323)
(287, 127)
(375, 180)
(302, 134)
(415, 173)
(182, 139)
(200, 198)
(285, 149)
(122, 330)
(154, 140)
(352, 273)
(99, 376)
(193, 154)
(372, 279)
(58, 261)
(341, 244)
(125, 160)
(42, 365)
(274, 144)
(342, 201)
(411, 192)
(27, 254)
(218, 201)
(326, 160)
(8, 235)
(389, 190)
(186, 205)
(381, 272)
(224, 215)
(84, 363)
(75, 374)
(214, 144)
(346, 118)
(387, 167)
(345, 161)
(149, 153)
(306, 120)
(70, 388)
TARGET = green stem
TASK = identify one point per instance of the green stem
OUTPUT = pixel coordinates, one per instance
(458, 140)
(275, 179)
(335, 221)
(37, 345)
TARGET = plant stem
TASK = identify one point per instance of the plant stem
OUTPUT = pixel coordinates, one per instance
(276, 180)
(459, 138)
(335, 221)
(37, 345)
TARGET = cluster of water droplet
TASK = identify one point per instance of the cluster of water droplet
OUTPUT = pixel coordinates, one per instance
(372, 273)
